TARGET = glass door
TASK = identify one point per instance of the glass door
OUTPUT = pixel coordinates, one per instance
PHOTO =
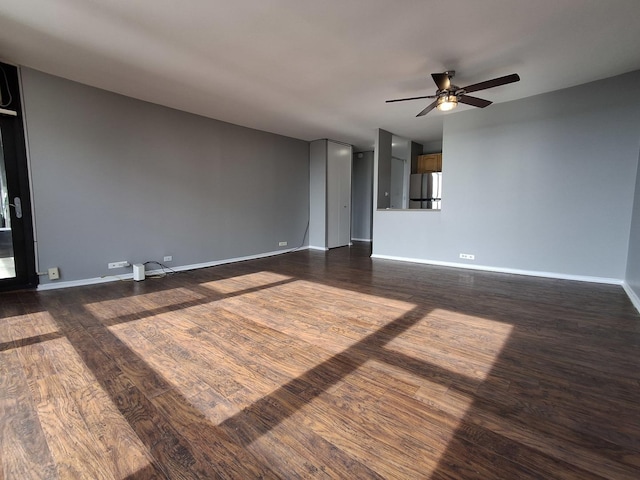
(7, 256)
(17, 257)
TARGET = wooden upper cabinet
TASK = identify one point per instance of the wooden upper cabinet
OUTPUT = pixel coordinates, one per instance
(431, 162)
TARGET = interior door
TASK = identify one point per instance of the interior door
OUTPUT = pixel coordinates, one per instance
(345, 197)
(17, 259)
(339, 158)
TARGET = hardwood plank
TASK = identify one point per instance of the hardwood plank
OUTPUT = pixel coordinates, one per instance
(358, 437)
(170, 450)
(124, 453)
(450, 425)
(222, 457)
(25, 453)
(75, 449)
(526, 432)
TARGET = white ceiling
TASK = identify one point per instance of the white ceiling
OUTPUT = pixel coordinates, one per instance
(320, 68)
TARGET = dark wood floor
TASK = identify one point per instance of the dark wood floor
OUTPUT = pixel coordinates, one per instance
(314, 365)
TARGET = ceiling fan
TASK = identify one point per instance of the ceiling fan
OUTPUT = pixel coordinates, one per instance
(449, 95)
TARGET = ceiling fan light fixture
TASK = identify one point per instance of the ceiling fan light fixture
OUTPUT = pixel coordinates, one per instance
(449, 95)
(447, 102)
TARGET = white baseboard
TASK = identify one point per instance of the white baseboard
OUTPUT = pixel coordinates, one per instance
(513, 271)
(129, 276)
(632, 295)
(361, 240)
(85, 281)
(313, 247)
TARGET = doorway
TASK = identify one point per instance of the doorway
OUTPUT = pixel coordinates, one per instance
(400, 169)
(17, 259)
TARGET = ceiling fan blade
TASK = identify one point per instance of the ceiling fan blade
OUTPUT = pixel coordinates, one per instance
(442, 80)
(496, 82)
(475, 101)
(410, 98)
(430, 107)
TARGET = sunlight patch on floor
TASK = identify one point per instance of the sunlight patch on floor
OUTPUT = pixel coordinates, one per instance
(21, 327)
(323, 316)
(235, 353)
(439, 342)
(223, 357)
(199, 350)
(344, 294)
(284, 332)
(249, 281)
(198, 359)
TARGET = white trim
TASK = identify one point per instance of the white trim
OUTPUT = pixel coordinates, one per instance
(513, 271)
(129, 276)
(632, 295)
(313, 247)
(85, 281)
(361, 240)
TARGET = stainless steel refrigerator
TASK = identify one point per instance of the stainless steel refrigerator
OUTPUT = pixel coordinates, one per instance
(425, 190)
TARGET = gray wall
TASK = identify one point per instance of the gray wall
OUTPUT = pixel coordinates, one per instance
(544, 184)
(633, 259)
(434, 146)
(119, 179)
(362, 196)
(382, 169)
(318, 194)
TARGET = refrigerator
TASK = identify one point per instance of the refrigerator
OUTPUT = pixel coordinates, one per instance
(425, 190)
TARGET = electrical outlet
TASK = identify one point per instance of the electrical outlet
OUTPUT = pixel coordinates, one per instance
(167, 258)
(54, 273)
(122, 264)
(467, 256)
(282, 244)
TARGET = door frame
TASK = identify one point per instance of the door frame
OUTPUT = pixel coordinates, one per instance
(17, 171)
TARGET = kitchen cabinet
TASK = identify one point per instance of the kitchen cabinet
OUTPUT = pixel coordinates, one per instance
(431, 162)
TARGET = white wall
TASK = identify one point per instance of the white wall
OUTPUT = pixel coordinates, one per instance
(544, 184)
(120, 179)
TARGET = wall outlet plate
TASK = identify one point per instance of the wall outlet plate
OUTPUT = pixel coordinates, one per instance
(121, 264)
(167, 258)
(54, 273)
(282, 244)
(468, 256)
